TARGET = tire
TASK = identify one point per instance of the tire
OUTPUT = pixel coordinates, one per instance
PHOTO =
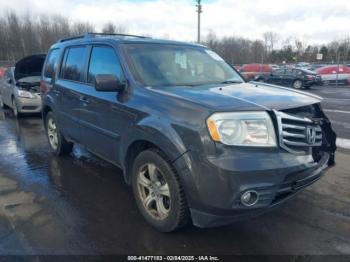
(298, 84)
(15, 112)
(59, 145)
(159, 197)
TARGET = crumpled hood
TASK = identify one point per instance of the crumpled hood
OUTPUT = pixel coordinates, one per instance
(29, 66)
(244, 96)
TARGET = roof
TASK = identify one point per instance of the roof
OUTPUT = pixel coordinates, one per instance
(121, 38)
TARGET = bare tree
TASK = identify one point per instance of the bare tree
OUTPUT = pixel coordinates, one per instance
(270, 41)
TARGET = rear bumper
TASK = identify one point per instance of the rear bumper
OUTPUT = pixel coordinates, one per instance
(29, 105)
(214, 187)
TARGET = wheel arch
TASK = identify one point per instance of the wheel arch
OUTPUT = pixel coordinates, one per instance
(46, 109)
(159, 136)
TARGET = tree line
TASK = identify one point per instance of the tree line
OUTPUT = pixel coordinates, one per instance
(22, 35)
(27, 34)
(272, 49)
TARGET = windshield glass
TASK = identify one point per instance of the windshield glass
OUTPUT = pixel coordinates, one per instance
(176, 65)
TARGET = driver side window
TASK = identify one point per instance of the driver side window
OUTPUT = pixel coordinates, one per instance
(103, 60)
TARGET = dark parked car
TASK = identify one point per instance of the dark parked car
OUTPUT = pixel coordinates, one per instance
(296, 78)
(194, 140)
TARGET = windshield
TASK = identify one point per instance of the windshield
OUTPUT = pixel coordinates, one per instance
(175, 65)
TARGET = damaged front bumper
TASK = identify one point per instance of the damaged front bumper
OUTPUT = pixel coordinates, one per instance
(214, 185)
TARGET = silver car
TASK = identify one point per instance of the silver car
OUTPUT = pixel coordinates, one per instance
(20, 86)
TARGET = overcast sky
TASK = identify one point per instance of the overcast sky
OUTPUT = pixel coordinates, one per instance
(313, 21)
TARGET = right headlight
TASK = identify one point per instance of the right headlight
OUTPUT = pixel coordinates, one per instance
(25, 94)
(242, 129)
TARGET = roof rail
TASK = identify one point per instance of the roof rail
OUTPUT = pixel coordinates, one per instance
(71, 38)
(92, 35)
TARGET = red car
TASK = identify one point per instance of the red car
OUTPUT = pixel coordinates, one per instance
(332, 74)
(2, 71)
(249, 71)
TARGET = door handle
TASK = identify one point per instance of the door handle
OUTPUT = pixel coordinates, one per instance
(84, 100)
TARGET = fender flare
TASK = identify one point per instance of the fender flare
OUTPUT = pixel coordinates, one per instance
(157, 132)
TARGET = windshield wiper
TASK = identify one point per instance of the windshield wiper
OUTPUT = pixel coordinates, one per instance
(231, 82)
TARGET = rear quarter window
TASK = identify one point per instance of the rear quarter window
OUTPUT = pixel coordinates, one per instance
(73, 65)
(52, 63)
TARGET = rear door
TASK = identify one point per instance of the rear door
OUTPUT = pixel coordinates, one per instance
(50, 74)
(70, 85)
(102, 116)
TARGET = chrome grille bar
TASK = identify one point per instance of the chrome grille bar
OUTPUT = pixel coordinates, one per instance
(293, 133)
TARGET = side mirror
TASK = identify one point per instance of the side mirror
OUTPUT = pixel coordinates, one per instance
(108, 83)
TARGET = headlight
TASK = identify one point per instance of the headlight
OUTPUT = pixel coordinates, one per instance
(25, 94)
(242, 129)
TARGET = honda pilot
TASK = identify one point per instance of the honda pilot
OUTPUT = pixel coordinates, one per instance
(197, 143)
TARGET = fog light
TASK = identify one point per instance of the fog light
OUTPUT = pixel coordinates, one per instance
(249, 198)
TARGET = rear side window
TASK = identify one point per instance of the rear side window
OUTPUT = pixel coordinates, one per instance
(103, 61)
(51, 64)
(74, 62)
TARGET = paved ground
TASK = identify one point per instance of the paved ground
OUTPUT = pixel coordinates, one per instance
(336, 103)
(80, 204)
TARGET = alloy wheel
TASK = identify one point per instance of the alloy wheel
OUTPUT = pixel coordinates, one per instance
(52, 133)
(154, 191)
(298, 84)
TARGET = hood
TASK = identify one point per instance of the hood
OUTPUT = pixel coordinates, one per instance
(29, 66)
(240, 97)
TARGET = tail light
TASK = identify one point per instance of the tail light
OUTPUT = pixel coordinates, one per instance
(43, 87)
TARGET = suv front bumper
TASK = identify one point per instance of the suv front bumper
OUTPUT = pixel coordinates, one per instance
(214, 185)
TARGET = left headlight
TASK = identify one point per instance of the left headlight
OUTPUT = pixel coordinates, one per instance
(25, 94)
(242, 129)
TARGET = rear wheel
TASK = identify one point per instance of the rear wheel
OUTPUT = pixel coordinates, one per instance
(158, 192)
(58, 143)
(297, 84)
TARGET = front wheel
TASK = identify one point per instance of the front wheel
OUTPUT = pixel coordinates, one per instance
(158, 192)
(59, 145)
(297, 84)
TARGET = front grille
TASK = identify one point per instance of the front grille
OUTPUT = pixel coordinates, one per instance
(29, 107)
(298, 134)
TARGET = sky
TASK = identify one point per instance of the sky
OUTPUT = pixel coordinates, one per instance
(312, 21)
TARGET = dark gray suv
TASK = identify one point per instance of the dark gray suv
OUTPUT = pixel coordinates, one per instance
(196, 142)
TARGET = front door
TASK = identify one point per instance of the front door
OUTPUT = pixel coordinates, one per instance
(101, 116)
(276, 77)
